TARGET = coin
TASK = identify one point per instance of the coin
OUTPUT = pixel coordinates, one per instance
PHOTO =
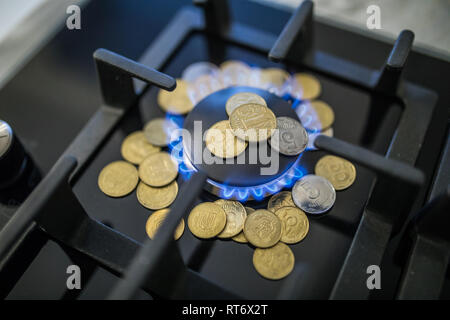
(232, 63)
(324, 113)
(177, 101)
(340, 172)
(274, 263)
(262, 228)
(315, 115)
(197, 69)
(118, 179)
(204, 86)
(207, 220)
(136, 148)
(236, 216)
(235, 73)
(221, 141)
(295, 224)
(241, 236)
(156, 198)
(243, 98)
(305, 86)
(155, 221)
(158, 169)
(159, 131)
(280, 200)
(274, 76)
(253, 122)
(313, 194)
(291, 138)
(312, 137)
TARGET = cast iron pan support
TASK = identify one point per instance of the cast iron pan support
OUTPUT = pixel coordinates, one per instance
(216, 14)
(390, 202)
(429, 254)
(53, 207)
(389, 78)
(295, 43)
(297, 36)
(116, 75)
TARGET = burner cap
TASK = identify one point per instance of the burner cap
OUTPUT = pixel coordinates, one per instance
(240, 173)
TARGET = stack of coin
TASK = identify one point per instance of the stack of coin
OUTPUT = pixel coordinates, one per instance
(266, 230)
(155, 175)
(250, 120)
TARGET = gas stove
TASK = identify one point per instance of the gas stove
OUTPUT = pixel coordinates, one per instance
(391, 123)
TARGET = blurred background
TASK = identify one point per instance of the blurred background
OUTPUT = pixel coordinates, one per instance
(26, 24)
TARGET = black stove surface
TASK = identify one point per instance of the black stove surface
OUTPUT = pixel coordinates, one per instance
(61, 108)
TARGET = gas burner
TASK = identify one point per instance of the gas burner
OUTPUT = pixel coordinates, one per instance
(391, 127)
(239, 180)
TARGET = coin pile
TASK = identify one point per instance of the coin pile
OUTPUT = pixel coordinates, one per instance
(268, 230)
(154, 177)
(150, 169)
(251, 120)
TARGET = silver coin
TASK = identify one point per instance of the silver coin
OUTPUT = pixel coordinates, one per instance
(312, 137)
(195, 70)
(290, 138)
(313, 194)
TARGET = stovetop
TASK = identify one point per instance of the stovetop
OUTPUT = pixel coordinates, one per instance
(365, 118)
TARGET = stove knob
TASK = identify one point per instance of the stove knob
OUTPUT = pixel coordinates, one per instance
(13, 157)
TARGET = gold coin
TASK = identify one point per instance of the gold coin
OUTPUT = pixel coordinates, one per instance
(241, 236)
(253, 122)
(205, 85)
(241, 98)
(176, 101)
(274, 76)
(340, 172)
(235, 73)
(295, 224)
(307, 86)
(155, 221)
(118, 179)
(158, 169)
(159, 131)
(232, 64)
(221, 141)
(236, 215)
(156, 198)
(136, 148)
(280, 200)
(262, 228)
(207, 220)
(274, 263)
(324, 114)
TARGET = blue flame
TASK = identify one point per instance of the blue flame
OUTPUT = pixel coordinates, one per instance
(258, 193)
